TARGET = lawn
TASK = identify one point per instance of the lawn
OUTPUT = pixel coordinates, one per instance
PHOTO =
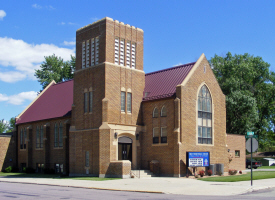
(245, 177)
(267, 167)
(55, 176)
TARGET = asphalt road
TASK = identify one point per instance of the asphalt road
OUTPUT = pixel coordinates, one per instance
(32, 191)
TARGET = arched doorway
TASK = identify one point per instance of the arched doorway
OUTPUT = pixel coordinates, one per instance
(125, 148)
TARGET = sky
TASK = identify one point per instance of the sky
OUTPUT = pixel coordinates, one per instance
(175, 32)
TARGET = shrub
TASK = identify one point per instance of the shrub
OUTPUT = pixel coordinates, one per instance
(240, 172)
(209, 172)
(49, 171)
(201, 173)
(232, 171)
(30, 170)
(8, 169)
(219, 172)
(15, 169)
(196, 175)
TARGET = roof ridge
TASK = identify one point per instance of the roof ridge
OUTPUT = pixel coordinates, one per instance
(171, 68)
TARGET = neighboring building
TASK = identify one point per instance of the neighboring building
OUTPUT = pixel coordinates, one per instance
(113, 117)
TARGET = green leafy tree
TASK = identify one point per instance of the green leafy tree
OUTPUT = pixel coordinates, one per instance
(3, 126)
(250, 93)
(11, 124)
(54, 68)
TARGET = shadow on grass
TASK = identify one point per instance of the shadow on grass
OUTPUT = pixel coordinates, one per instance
(52, 176)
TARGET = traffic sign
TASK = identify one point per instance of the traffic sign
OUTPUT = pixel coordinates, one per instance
(254, 145)
(251, 136)
(250, 133)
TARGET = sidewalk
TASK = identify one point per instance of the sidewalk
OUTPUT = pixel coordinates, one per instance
(157, 185)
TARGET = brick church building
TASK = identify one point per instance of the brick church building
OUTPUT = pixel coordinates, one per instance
(113, 118)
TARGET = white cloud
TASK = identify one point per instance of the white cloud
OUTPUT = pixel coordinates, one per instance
(178, 64)
(36, 6)
(66, 43)
(21, 58)
(94, 18)
(50, 7)
(2, 14)
(69, 23)
(19, 99)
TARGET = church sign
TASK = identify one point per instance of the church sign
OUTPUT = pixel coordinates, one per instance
(198, 159)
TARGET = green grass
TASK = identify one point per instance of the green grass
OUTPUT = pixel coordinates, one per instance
(244, 177)
(55, 176)
(267, 167)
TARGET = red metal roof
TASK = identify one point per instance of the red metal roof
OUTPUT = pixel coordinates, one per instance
(55, 102)
(162, 84)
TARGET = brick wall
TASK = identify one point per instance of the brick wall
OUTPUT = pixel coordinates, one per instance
(236, 143)
(7, 151)
(49, 155)
(188, 93)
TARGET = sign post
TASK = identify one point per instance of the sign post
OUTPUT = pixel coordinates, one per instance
(251, 136)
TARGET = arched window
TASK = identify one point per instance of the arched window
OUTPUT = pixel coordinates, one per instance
(204, 116)
(155, 112)
(163, 112)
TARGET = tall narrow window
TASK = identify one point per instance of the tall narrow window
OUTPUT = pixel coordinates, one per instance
(96, 50)
(128, 54)
(116, 51)
(87, 160)
(156, 135)
(85, 102)
(83, 54)
(41, 137)
(93, 52)
(163, 135)
(25, 138)
(55, 135)
(90, 101)
(121, 60)
(61, 134)
(155, 112)
(37, 137)
(133, 55)
(21, 139)
(204, 116)
(163, 112)
(129, 102)
(122, 102)
(87, 53)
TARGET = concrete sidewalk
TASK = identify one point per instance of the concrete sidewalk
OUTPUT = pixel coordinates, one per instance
(186, 186)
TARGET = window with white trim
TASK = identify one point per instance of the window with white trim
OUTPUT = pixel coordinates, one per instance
(204, 116)
(116, 51)
(155, 112)
(133, 55)
(155, 135)
(83, 54)
(96, 50)
(163, 112)
(123, 101)
(85, 102)
(128, 54)
(121, 57)
(92, 52)
(129, 102)
(163, 135)
(90, 101)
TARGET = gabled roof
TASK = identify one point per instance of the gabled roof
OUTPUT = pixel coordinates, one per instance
(162, 84)
(54, 101)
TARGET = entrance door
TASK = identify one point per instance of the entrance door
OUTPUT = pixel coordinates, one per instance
(124, 148)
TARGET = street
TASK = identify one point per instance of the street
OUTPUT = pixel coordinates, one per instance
(34, 191)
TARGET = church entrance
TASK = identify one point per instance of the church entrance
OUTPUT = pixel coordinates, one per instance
(125, 148)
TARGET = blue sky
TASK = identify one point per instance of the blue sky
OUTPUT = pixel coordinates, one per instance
(175, 32)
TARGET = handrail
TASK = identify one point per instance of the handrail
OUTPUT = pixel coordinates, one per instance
(135, 173)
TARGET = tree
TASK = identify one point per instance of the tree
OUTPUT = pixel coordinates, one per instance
(250, 94)
(11, 124)
(3, 126)
(54, 68)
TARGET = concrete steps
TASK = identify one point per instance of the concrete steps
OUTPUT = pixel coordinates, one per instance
(142, 173)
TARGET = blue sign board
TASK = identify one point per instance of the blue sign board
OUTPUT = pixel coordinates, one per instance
(198, 159)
